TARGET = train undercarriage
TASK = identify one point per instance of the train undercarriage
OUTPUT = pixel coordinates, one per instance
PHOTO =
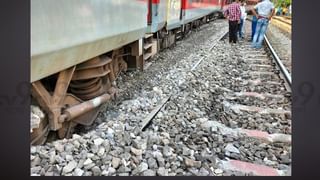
(73, 96)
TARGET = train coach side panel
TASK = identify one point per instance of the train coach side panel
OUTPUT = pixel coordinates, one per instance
(195, 9)
(173, 14)
(67, 32)
(158, 18)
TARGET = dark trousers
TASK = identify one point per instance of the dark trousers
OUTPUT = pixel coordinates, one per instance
(233, 29)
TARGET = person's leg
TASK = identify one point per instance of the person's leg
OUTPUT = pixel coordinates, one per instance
(257, 33)
(235, 30)
(230, 32)
(253, 27)
(263, 30)
(243, 28)
(238, 32)
(240, 28)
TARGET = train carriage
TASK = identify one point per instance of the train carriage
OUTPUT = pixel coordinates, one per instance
(78, 48)
(178, 17)
(164, 19)
(174, 13)
(196, 9)
(61, 29)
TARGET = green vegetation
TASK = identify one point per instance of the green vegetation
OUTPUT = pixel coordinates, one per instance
(283, 3)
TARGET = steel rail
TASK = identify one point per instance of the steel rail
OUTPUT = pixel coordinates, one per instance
(283, 69)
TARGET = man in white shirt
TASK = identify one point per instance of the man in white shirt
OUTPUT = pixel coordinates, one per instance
(243, 19)
(264, 13)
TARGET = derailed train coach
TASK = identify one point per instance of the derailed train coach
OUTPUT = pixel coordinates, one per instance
(79, 48)
(174, 13)
(195, 9)
(169, 19)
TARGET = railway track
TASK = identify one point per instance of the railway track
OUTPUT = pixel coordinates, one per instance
(218, 109)
(259, 101)
(262, 99)
(264, 103)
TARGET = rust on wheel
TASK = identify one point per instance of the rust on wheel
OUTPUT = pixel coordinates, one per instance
(39, 135)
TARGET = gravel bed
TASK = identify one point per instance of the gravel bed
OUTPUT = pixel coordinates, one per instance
(182, 139)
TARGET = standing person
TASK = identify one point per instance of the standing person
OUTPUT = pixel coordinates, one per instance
(233, 14)
(264, 13)
(242, 19)
(254, 24)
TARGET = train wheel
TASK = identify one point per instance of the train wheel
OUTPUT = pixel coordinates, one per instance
(39, 126)
(67, 129)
